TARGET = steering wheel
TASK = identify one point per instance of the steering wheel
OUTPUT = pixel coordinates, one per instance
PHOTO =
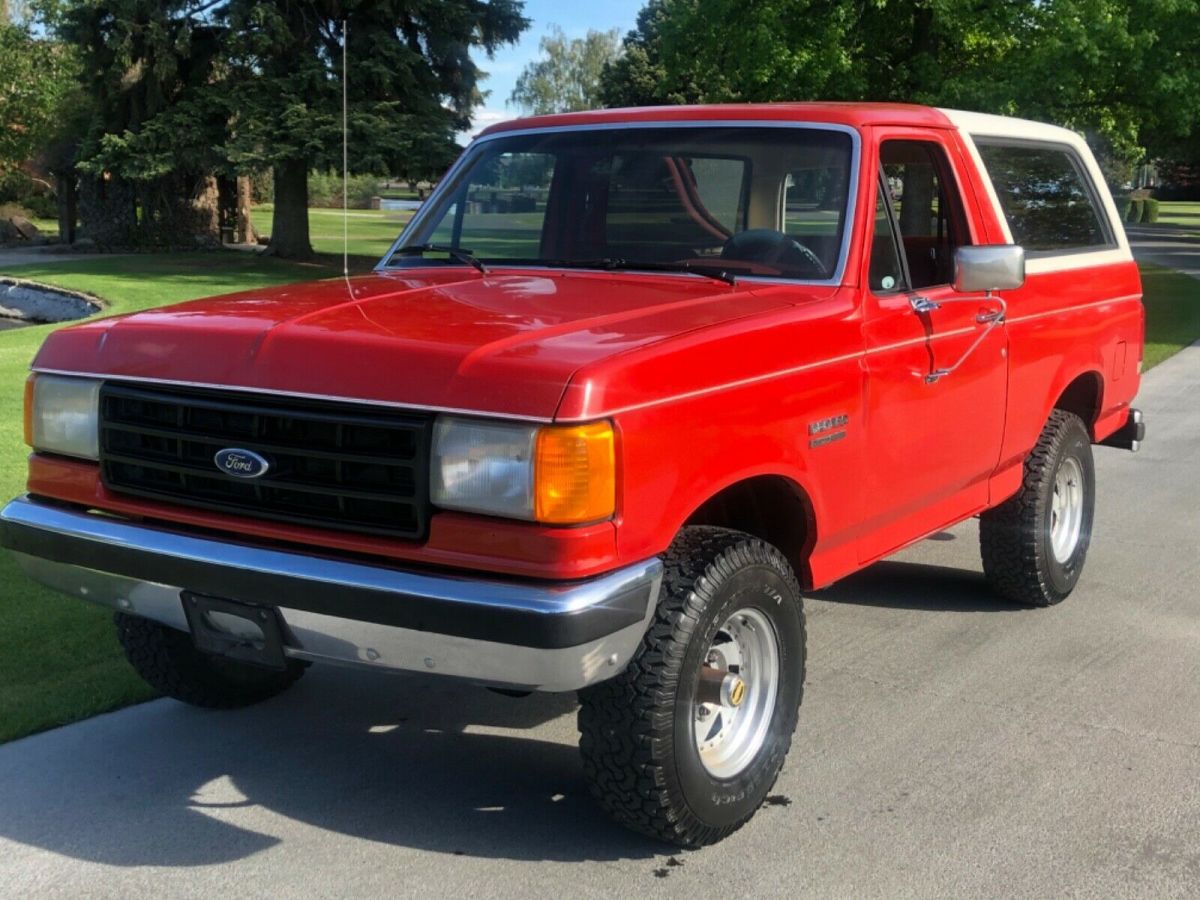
(773, 248)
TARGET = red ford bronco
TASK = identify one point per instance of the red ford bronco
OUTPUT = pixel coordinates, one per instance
(628, 384)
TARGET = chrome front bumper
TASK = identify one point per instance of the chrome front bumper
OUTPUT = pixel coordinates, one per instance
(556, 636)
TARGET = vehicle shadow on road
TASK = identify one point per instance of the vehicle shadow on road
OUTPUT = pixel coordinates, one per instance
(896, 584)
(397, 759)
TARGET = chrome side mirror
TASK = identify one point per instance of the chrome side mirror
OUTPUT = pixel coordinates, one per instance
(989, 267)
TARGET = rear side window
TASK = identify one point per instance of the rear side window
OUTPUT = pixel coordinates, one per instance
(1046, 195)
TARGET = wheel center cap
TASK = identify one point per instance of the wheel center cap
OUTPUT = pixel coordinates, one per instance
(734, 690)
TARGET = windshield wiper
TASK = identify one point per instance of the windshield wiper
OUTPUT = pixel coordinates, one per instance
(614, 263)
(462, 255)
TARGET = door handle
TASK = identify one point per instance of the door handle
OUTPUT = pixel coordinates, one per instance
(990, 315)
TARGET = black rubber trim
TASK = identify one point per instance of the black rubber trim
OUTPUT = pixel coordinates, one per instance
(524, 628)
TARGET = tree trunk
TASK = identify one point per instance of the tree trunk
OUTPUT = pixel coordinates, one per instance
(289, 225)
(68, 212)
(244, 232)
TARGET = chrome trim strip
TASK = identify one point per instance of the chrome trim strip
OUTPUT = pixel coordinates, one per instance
(338, 398)
(552, 598)
(43, 537)
(1071, 309)
(330, 639)
(862, 354)
(1011, 320)
(448, 180)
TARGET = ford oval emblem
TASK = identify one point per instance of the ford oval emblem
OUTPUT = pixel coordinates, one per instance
(241, 463)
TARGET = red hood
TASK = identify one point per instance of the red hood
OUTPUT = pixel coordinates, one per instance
(448, 339)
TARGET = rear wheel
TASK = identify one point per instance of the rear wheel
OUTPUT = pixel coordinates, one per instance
(1035, 543)
(686, 743)
(169, 662)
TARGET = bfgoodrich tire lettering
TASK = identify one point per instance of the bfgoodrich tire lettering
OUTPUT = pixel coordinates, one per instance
(638, 741)
(1022, 559)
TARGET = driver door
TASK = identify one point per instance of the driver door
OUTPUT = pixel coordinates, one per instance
(932, 441)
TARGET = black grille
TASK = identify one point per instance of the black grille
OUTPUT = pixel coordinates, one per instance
(332, 465)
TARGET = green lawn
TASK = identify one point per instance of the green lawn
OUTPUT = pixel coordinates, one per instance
(59, 660)
(370, 232)
(1172, 312)
(1179, 212)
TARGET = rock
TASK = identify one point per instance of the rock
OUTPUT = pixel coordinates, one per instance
(25, 228)
(41, 303)
(8, 232)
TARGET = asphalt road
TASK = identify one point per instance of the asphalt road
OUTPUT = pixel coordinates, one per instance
(1166, 245)
(949, 745)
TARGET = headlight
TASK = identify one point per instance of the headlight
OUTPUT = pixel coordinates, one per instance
(61, 415)
(555, 474)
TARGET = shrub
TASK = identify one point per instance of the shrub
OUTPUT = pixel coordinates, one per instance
(1123, 202)
(10, 210)
(43, 206)
(33, 196)
(262, 186)
(1151, 213)
(1136, 211)
(325, 189)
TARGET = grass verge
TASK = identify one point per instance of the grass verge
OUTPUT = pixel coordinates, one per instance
(1179, 212)
(1172, 312)
(59, 659)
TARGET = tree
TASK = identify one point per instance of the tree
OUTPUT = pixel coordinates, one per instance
(185, 90)
(412, 86)
(1124, 71)
(150, 132)
(36, 79)
(567, 77)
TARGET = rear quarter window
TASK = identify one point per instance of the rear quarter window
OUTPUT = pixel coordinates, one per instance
(1047, 197)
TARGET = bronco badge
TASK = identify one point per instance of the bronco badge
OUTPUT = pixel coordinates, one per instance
(241, 463)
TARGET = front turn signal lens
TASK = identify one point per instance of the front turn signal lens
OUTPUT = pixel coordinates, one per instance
(574, 474)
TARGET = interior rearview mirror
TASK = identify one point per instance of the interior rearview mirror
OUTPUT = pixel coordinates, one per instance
(989, 267)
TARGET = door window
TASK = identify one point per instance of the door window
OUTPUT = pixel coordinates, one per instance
(887, 272)
(928, 209)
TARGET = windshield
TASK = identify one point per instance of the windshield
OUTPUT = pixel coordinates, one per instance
(740, 200)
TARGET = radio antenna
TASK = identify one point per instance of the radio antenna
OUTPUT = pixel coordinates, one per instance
(345, 164)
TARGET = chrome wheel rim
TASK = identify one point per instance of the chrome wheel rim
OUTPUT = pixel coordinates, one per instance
(736, 690)
(1066, 509)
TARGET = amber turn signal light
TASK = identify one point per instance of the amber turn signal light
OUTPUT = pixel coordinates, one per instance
(574, 474)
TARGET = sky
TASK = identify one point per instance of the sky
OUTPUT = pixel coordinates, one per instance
(574, 17)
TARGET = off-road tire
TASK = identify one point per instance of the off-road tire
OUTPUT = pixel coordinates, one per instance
(636, 730)
(1014, 538)
(169, 662)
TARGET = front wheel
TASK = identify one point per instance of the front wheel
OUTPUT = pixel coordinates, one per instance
(686, 743)
(1035, 543)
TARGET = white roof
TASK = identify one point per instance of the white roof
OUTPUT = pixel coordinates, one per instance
(1007, 126)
